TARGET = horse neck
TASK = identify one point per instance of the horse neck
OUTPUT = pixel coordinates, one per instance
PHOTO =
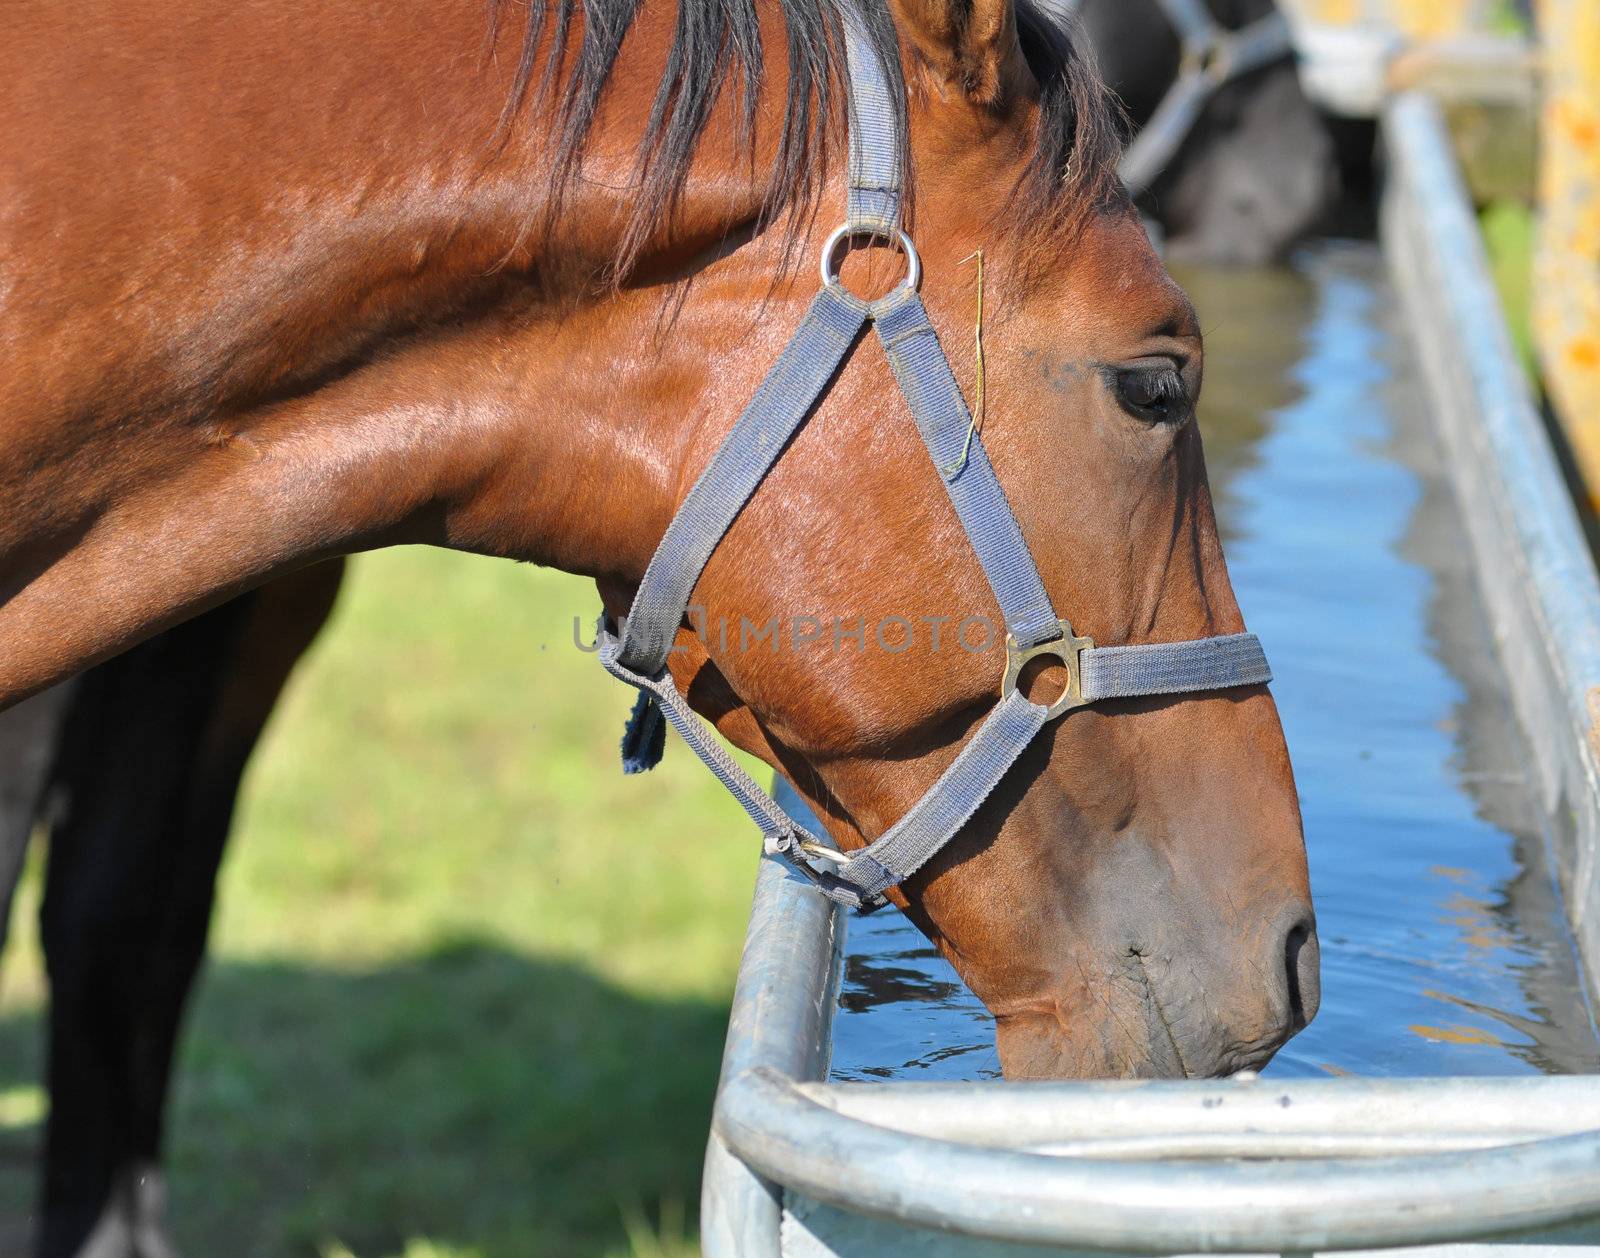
(602, 416)
(326, 227)
(605, 397)
(320, 315)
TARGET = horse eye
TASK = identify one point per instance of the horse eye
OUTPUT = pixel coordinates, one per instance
(1153, 394)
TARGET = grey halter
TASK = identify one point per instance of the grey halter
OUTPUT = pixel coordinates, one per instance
(1212, 57)
(637, 650)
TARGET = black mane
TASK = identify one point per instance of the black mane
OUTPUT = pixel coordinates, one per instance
(1073, 167)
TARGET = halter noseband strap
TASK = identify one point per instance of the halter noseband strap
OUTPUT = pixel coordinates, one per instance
(636, 652)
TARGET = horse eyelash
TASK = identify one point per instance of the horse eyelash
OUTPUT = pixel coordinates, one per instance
(1168, 384)
(1164, 385)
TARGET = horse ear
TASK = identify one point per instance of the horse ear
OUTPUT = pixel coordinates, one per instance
(970, 44)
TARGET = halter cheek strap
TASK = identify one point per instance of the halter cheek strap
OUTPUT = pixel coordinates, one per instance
(636, 651)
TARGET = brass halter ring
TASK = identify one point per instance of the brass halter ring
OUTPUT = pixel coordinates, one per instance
(1068, 648)
(833, 259)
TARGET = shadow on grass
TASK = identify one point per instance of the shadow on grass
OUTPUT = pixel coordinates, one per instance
(481, 1101)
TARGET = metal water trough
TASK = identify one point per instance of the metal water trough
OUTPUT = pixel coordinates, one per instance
(801, 1167)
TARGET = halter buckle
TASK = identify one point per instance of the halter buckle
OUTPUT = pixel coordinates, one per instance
(1068, 648)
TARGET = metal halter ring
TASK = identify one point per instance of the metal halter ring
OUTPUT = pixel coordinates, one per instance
(822, 852)
(788, 844)
(1068, 648)
(831, 259)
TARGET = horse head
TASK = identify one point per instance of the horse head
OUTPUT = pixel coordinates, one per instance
(1133, 898)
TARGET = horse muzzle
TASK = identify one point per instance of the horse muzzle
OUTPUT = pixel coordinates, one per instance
(1149, 1010)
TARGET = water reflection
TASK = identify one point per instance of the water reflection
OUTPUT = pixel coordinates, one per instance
(1518, 921)
(1254, 323)
(903, 1012)
(1445, 950)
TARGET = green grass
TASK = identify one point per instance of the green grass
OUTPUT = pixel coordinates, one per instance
(468, 985)
(1503, 18)
(1508, 228)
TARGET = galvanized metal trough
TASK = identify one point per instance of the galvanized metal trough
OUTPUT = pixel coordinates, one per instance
(799, 1166)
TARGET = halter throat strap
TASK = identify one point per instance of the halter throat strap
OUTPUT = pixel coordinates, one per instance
(636, 651)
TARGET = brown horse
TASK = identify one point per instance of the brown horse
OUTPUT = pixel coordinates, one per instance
(285, 282)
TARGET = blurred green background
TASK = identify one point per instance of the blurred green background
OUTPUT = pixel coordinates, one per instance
(468, 985)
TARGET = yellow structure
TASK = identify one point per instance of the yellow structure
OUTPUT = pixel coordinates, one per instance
(1566, 276)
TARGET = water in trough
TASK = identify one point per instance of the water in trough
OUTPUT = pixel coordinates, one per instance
(1444, 946)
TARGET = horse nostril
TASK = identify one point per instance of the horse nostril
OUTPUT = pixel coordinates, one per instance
(1302, 958)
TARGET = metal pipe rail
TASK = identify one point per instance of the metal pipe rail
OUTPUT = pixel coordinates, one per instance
(1233, 1206)
(1062, 1117)
(801, 1167)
